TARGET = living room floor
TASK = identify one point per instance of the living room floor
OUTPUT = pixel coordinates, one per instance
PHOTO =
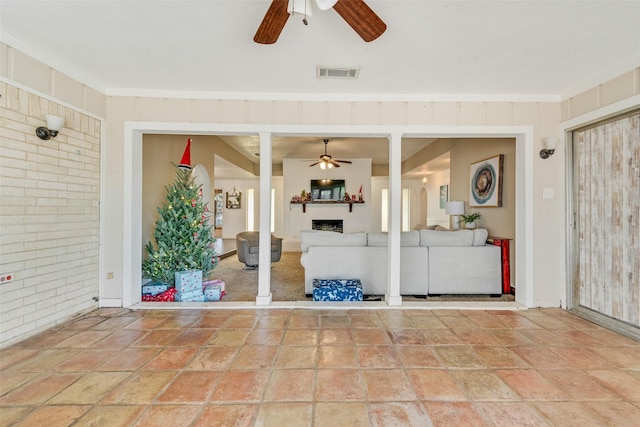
(322, 367)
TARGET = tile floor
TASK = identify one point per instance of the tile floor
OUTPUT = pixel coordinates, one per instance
(302, 367)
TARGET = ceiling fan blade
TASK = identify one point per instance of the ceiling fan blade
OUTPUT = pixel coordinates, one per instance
(344, 161)
(361, 18)
(314, 164)
(272, 23)
(335, 165)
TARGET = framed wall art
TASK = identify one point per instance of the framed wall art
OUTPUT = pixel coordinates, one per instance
(444, 196)
(486, 182)
(233, 199)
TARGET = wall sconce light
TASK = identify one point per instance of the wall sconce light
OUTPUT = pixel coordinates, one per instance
(54, 124)
(424, 180)
(550, 146)
(454, 208)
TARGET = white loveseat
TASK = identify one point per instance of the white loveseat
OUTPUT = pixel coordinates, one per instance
(431, 262)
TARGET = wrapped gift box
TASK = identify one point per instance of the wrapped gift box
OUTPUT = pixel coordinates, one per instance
(154, 288)
(337, 290)
(213, 282)
(187, 296)
(197, 298)
(213, 293)
(166, 296)
(187, 281)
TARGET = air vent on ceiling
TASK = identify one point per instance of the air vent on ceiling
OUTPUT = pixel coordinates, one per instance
(337, 72)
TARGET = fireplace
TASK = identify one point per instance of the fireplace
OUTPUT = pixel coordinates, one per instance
(327, 225)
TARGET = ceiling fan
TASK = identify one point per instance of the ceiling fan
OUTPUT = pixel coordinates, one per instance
(326, 161)
(356, 13)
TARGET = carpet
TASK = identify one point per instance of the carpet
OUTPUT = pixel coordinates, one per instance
(287, 279)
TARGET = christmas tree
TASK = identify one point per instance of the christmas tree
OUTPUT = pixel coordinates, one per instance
(183, 236)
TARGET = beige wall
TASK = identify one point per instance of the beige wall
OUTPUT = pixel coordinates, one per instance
(49, 214)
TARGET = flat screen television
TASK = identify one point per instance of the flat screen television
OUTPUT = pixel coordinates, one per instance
(327, 189)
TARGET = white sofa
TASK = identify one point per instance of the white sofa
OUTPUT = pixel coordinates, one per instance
(431, 262)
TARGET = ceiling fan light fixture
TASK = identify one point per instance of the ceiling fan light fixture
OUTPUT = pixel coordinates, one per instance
(301, 7)
(326, 4)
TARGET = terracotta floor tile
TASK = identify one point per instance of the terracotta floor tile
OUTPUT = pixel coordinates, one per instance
(12, 355)
(110, 416)
(83, 339)
(141, 388)
(145, 323)
(553, 323)
(610, 338)
(445, 414)
(475, 337)
(458, 356)
(272, 322)
(371, 337)
(241, 320)
(569, 414)
(337, 357)
(240, 386)
(228, 415)
(339, 385)
(483, 385)
(544, 337)
(500, 357)
(12, 380)
(114, 323)
(406, 337)
(578, 385)
(578, 337)
(336, 336)
(398, 414)
(87, 360)
(514, 414)
(297, 357)
(365, 321)
(255, 357)
(428, 322)
(285, 414)
(541, 357)
(209, 358)
(387, 384)
(335, 321)
(191, 387)
(579, 358)
(530, 385)
(622, 357)
(157, 338)
(518, 322)
(193, 337)
(265, 337)
(617, 413)
(435, 384)
(53, 416)
(168, 416)
(441, 337)
(508, 337)
(457, 322)
(303, 321)
(417, 357)
(177, 322)
(85, 323)
(45, 360)
(396, 320)
(39, 389)
(48, 339)
(294, 385)
(209, 322)
(171, 358)
(90, 388)
(487, 321)
(378, 356)
(129, 359)
(300, 337)
(233, 337)
(120, 339)
(625, 385)
(10, 414)
(341, 415)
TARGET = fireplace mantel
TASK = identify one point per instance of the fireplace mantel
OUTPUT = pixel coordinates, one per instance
(328, 202)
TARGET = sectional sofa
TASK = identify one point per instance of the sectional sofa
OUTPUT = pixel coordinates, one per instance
(431, 262)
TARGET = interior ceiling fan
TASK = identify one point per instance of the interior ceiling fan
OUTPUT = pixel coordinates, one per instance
(326, 161)
(356, 13)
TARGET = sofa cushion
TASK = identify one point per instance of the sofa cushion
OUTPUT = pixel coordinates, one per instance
(480, 236)
(446, 238)
(409, 238)
(310, 238)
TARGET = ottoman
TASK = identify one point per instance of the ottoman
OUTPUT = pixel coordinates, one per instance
(337, 290)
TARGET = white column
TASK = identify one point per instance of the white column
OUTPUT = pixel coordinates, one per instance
(264, 274)
(395, 199)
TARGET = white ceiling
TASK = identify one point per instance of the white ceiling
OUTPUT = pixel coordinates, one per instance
(507, 50)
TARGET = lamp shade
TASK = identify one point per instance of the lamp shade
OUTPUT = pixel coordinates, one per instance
(455, 207)
(303, 7)
(54, 122)
(551, 143)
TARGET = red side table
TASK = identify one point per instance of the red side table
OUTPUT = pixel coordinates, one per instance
(506, 270)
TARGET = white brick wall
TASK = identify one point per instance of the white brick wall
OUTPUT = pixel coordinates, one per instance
(49, 214)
